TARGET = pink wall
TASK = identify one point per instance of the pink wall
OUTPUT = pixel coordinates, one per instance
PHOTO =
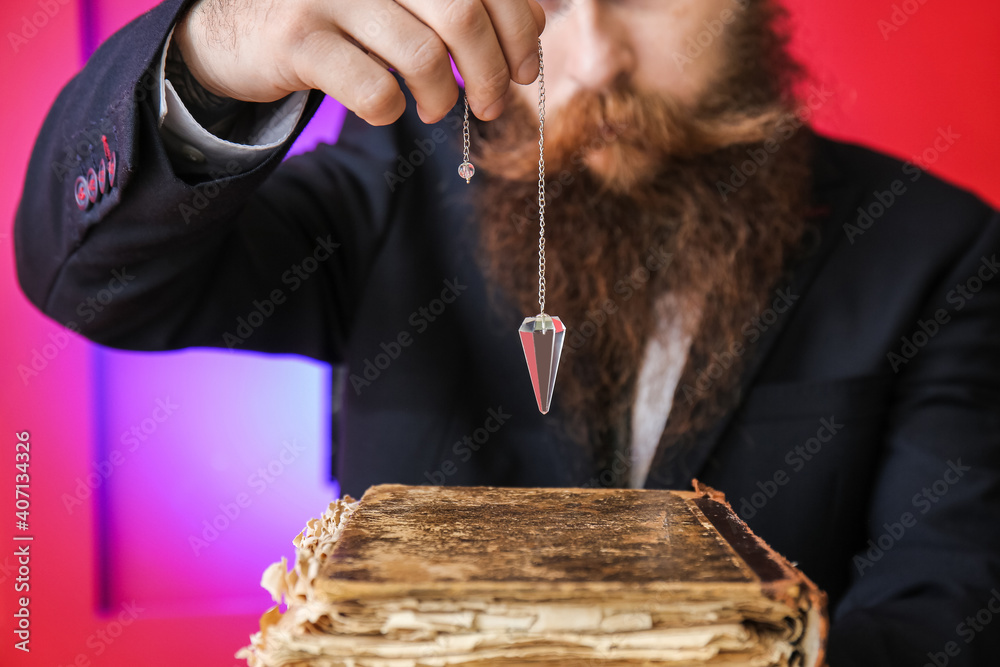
(898, 76)
(892, 89)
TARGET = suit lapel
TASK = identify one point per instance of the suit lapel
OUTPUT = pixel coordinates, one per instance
(674, 465)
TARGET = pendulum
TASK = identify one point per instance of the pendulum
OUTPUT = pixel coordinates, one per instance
(466, 170)
(541, 335)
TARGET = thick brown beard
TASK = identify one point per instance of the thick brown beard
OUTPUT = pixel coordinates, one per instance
(656, 194)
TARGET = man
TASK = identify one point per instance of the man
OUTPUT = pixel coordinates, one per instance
(808, 326)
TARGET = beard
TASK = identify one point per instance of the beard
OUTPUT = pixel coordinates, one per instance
(642, 201)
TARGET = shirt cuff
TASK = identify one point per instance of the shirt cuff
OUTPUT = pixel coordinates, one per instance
(195, 150)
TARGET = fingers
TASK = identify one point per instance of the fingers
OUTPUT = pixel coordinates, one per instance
(486, 46)
(395, 36)
(517, 26)
(346, 48)
(468, 33)
(539, 13)
(328, 61)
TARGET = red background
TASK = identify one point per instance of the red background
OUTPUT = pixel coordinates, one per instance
(892, 90)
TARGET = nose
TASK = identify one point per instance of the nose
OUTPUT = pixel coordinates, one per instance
(604, 51)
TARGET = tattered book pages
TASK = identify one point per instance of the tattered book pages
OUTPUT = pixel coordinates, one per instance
(422, 576)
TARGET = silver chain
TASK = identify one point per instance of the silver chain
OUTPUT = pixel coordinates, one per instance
(541, 181)
(465, 132)
(466, 170)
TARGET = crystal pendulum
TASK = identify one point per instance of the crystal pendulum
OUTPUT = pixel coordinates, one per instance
(542, 335)
(466, 170)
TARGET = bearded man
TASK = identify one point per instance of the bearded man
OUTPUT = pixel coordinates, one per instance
(805, 325)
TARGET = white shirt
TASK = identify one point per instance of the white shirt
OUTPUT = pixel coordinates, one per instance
(664, 358)
(203, 151)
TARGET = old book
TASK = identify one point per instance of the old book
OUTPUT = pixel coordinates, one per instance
(413, 576)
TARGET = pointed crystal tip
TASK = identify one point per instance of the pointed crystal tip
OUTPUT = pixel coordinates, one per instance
(542, 340)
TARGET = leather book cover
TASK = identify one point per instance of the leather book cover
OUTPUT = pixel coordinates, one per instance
(423, 575)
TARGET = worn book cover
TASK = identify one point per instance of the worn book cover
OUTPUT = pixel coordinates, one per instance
(413, 576)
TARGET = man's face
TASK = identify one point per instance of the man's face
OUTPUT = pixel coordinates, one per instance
(651, 103)
(670, 47)
(652, 52)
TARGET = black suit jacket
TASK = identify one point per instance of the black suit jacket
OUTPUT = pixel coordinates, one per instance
(878, 474)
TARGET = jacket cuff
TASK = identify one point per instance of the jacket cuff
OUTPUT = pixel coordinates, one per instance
(193, 149)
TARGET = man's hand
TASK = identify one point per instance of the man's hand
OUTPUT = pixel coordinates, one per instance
(262, 50)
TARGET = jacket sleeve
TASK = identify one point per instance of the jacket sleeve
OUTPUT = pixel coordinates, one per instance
(271, 257)
(926, 586)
